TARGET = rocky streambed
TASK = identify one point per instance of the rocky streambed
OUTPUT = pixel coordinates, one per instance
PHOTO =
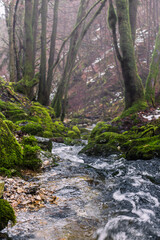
(86, 198)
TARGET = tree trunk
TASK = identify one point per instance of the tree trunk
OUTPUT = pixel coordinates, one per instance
(17, 57)
(12, 69)
(42, 81)
(133, 86)
(52, 52)
(34, 26)
(154, 72)
(28, 68)
(133, 5)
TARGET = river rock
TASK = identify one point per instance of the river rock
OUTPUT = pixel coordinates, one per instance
(1, 188)
(44, 143)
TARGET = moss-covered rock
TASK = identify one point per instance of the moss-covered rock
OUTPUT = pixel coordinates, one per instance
(32, 128)
(143, 148)
(12, 127)
(29, 140)
(31, 158)
(10, 149)
(102, 127)
(105, 144)
(59, 130)
(138, 143)
(6, 214)
(13, 111)
(41, 115)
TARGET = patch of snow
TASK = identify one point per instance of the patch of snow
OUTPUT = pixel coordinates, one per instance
(98, 29)
(110, 66)
(90, 80)
(97, 61)
(118, 94)
(151, 117)
(96, 38)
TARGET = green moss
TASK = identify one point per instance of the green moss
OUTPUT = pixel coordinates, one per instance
(47, 134)
(12, 127)
(142, 148)
(29, 140)
(13, 111)
(32, 128)
(2, 116)
(59, 130)
(8, 172)
(102, 127)
(110, 137)
(139, 106)
(41, 115)
(77, 131)
(10, 150)
(6, 214)
(31, 158)
(72, 135)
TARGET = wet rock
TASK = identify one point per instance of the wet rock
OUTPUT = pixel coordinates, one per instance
(44, 143)
(57, 139)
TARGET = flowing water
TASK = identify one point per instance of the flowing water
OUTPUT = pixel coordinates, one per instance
(97, 198)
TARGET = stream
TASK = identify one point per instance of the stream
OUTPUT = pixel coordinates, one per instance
(97, 198)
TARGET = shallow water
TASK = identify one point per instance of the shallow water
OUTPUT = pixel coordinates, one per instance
(104, 199)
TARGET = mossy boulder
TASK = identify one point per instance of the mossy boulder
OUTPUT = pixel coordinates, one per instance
(105, 144)
(41, 115)
(10, 150)
(59, 130)
(143, 148)
(13, 111)
(31, 159)
(6, 214)
(102, 127)
(32, 128)
(29, 140)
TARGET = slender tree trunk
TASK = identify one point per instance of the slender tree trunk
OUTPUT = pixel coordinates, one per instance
(12, 69)
(133, 5)
(17, 57)
(153, 73)
(52, 52)
(28, 68)
(34, 26)
(42, 82)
